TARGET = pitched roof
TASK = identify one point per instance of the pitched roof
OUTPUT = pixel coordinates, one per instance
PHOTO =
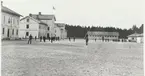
(7, 10)
(39, 21)
(103, 33)
(60, 24)
(43, 17)
(136, 35)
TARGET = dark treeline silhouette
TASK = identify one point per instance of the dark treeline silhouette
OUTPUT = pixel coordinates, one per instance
(80, 31)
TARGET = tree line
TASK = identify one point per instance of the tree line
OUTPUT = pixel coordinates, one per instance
(80, 31)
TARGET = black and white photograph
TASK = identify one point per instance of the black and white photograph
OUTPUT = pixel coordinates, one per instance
(72, 37)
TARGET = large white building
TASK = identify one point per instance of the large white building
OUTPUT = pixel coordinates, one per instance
(30, 25)
(49, 20)
(9, 23)
(98, 35)
(60, 31)
(38, 25)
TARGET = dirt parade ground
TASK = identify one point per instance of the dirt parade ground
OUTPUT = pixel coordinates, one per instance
(64, 58)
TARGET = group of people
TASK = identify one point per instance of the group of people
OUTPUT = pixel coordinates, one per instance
(42, 38)
(73, 39)
(53, 38)
(31, 37)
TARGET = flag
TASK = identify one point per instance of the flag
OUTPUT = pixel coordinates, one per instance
(53, 8)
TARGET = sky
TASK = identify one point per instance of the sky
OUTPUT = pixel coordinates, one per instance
(105, 13)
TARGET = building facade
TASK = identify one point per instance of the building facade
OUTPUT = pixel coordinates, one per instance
(61, 32)
(49, 20)
(10, 23)
(98, 35)
(136, 38)
(30, 25)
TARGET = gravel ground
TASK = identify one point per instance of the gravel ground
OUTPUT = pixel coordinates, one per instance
(71, 58)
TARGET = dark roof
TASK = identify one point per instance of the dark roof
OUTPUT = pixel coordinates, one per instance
(7, 10)
(60, 24)
(136, 35)
(103, 33)
(43, 17)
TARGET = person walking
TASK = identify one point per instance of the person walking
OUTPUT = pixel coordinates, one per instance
(35, 38)
(40, 38)
(74, 39)
(87, 39)
(44, 38)
(30, 39)
(69, 39)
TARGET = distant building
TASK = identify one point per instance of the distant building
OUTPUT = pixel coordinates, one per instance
(9, 23)
(98, 35)
(30, 25)
(136, 38)
(61, 32)
(49, 20)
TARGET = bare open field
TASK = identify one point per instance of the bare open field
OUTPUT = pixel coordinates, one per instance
(72, 58)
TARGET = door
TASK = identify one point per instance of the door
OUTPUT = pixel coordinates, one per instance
(8, 33)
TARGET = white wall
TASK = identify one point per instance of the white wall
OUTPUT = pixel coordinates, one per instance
(14, 24)
(51, 26)
(33, 27)
(57, 32)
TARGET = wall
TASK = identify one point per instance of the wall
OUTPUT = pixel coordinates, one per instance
(33, 28)
(13, 25)
(51, 26)
(42, 30)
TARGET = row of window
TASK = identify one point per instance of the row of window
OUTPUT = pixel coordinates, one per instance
(27, 26)
(101, 36)
(11, 20)
(3, 32)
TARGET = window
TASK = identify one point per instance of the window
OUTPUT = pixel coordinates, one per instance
(18, 22)
(13, 21)
(4, 19)
(27, 33)
(17, 32)
(3, 30)
(27, 20)
(9, 20)
(27, 26)
(13, 32)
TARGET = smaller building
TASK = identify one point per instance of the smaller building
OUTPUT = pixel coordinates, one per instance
(99, 35)
(135, 38)
(60, 30)
(30, 25)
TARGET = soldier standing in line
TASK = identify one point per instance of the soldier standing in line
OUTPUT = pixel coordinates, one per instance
(40, 38)
(44, 38)
(30, 39)
(35, 38)
(95, 40)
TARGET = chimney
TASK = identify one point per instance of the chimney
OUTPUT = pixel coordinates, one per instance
(30, 15)
(39, 13)
(1, 3)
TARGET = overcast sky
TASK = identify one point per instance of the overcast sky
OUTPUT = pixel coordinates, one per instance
(116, 13)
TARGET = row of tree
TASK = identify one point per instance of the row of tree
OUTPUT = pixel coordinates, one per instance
(80, 31)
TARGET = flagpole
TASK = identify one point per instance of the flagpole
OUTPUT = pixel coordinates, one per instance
(53, 10)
